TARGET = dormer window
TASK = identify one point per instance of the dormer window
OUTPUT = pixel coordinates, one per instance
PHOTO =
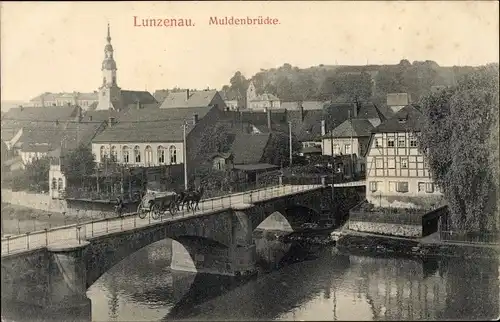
(402, 120)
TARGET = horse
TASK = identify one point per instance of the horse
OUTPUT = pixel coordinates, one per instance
(194, 198)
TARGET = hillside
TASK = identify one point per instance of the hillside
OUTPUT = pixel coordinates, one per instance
(341, 83)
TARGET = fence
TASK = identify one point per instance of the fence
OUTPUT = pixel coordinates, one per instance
(468, 237)
(85, 230)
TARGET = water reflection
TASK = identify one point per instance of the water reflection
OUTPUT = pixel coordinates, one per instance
(309, 284)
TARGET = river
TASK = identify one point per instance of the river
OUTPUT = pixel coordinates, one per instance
(296, 283)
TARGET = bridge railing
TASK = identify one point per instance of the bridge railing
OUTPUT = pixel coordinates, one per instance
(103, 226)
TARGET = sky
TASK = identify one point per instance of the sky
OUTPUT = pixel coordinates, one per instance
(59, 46)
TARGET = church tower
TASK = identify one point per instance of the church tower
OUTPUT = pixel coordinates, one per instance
(109, 92)
(251, 94)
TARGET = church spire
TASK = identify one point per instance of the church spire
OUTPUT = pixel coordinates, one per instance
(109, 36)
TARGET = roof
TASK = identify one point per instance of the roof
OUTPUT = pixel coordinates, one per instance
(19, 117)
(37, 147)
(160, 95)
(340, 112)
(101, 115)
(307, 105)
(413, 121)
(54, 96)
(132, 97)
(259, 119)
(309, 128)
(353, 127)
(370, 111)
(69, 135)
(397, 99)
(249, 148)
(157, 125)
(196, 99)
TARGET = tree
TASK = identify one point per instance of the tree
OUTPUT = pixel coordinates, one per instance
(277, 150)
(353, 87)
(239, 83)
(216, 139)
(457, 136)
(78, 163)
(37, 174)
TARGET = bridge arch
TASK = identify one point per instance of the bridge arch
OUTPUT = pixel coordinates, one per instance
(296, 215)
(104, 253)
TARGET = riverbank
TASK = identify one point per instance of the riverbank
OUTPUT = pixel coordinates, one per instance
(429, 245)
(19, 219)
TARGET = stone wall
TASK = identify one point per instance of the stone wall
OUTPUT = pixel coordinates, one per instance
(46, 203)
(25, 277)
(386, 228)
(31, 200)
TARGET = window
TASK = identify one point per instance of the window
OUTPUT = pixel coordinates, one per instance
(421, 186)
(60, 184)
(390, 142)
(114, 80)
(391, 163)
(404, 163)
(103, 152)
(377, 143)
(148, 155)
(347, 149)
(401, 142)
(392, 186)
(336, 149)
(173, 155)
(379, 163)
(54, 184)
(114, 153)
(429, 187)
(373, 186)
(402, 186)
(137, 154)
(413, 142)
(125, 154)
(161, 154)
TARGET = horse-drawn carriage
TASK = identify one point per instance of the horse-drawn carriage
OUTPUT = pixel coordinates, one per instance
(157, 203)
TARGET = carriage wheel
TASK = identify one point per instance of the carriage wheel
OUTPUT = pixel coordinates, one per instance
(141, 212)
(155, 211)
(173, 208)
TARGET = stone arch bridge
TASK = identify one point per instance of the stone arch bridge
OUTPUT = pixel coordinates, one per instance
(216, 242)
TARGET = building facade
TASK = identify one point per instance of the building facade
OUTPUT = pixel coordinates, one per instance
(261, 102)
(397, 172)
(85, 100)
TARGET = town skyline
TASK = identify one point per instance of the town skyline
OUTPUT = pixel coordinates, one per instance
(57, 59)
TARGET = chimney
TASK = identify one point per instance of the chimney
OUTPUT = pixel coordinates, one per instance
(138, 104)
(187, 94)
(355, 107)
(301, 107)
(195, 119)
(111, 121)
(269, 119)
(323, 127)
